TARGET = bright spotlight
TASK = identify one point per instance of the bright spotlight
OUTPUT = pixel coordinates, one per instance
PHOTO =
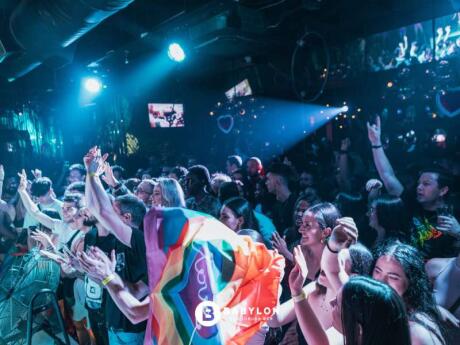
(176, 53)
(344, 109)
(93, 85)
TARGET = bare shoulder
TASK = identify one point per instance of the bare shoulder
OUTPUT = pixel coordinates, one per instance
(421, 335)
(434, 266)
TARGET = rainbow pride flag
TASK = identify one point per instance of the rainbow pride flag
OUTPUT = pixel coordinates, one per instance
(193, 258)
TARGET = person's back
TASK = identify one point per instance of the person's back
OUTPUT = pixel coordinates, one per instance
(444, 274)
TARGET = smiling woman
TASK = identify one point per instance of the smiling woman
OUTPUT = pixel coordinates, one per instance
(401, 267)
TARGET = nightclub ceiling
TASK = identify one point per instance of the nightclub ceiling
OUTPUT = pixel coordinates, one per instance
(42, 37)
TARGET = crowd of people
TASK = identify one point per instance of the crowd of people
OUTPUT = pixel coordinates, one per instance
(368, 261)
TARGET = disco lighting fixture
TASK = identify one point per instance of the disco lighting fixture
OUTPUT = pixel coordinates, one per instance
(176, 52)
(93, 85)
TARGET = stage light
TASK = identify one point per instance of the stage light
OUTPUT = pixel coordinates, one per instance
(344, 109)
(439, 136)
(93, 85)
(176, 53)
(390, 84)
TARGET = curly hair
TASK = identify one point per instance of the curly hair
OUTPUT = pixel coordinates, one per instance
(418, 297)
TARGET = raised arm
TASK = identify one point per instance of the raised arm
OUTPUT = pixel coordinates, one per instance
(117, 187)
(384, 168)
(98, 200)
(308, 322)
(344, 234)
(30, 206)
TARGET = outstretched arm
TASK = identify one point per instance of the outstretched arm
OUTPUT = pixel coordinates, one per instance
(384, 168)
(30, 206)
(99, 201)
(308, 322)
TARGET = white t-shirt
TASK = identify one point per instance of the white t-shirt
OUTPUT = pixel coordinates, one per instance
(64, 233)
(29, 220)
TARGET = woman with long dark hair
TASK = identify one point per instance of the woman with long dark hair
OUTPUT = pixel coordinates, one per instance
(389, 218)
(237, 214)
(365, 311)
(401, 266)
(291, 236)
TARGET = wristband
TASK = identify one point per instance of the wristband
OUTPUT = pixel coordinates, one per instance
(376, 146)
(330, 249)
(108, 279)
(92, 174)
(343, 152)
(300, 297)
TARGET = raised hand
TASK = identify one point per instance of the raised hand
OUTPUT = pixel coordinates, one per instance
(22, 181)
(94, 162)
(299, 273)
(373, 184)
(37, 173)
(2, 173)
(108, 176)
(43, 239)
(449, 224)
(374, 132)
(96, 264)
(344, 234)
(279, 244)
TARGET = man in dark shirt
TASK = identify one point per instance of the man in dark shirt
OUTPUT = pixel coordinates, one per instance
(131, 267)
(435, 229)
(436, 233)
(198, 191)
(122, 219)
(255, 174)
(278, 177)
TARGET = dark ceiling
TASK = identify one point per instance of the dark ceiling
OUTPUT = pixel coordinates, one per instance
(252, 28)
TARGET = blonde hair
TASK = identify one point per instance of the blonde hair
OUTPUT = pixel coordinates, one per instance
(172, 194)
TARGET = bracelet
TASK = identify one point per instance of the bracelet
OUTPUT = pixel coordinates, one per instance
(92, 174)
(108, 279)
(300, 297)
(330, 249)
(376, 146)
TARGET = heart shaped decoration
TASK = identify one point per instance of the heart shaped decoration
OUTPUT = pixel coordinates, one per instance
(448, 102)
(225, 123)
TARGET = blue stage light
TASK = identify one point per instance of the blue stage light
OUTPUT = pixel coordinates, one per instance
(176, 53)
(93, 85)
